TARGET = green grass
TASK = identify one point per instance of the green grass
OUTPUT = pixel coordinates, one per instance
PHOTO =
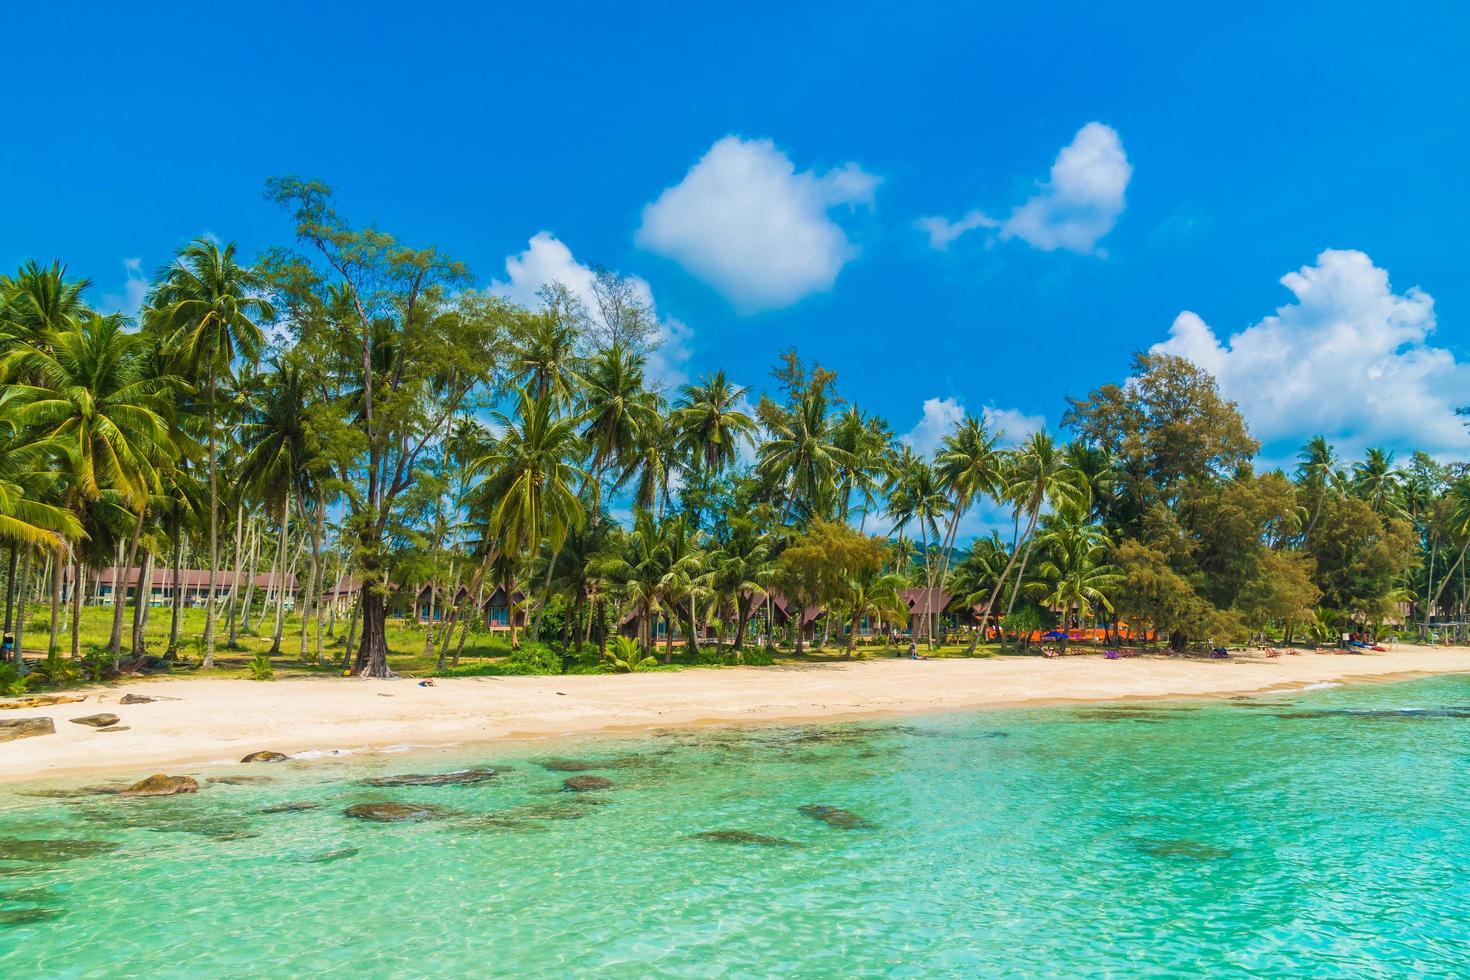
(483, 654)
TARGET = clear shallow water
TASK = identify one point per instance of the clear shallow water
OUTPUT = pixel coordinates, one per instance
(1321, 833)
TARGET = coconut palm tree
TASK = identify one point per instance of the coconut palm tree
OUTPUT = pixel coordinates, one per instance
(1039, 476)
(801, 453)
(211, 305)
(530, 490)
(1074, 574)
(85, 386)
(969, 466)
(709, 429)
(916, 493)
(872, 591)
(1317, 464)
(544, 358)
(1377, 481)
(741, 567)
(637, 565)
(618, 412)
(866, 440)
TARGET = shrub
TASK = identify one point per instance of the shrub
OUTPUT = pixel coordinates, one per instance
(625, 656)
(532, 659)
(12, 684)
(56, 672)
(260, 667)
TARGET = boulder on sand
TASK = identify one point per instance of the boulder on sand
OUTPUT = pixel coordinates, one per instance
(161, 785)
(40, 700)
(97, 721)
(265, 756)
(136, 699)
(14, 728)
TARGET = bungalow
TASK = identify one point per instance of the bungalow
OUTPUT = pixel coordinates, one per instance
(436, 603)
(103, 585)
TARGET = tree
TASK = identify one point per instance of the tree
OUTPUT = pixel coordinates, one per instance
(710, 429)
(1074, 573)
(208, 300)
(380, 316)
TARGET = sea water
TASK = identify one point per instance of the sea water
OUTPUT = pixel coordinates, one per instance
(1318, 833)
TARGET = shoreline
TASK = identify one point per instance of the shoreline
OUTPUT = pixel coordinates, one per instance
(198, 723)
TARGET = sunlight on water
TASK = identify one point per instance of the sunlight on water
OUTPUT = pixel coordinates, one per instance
(1319, 833)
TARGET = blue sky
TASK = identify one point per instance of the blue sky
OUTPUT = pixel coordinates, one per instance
(773, 175)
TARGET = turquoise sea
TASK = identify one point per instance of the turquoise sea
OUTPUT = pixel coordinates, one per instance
(1319, 833)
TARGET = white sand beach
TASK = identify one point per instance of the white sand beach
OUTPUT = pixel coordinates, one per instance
(203, 720)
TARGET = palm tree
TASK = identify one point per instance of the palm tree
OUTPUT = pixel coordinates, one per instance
(619, 412)
(865, 439)
(530, 492)
(969, 467)
(26, 470)
(1318, 462)
(1377, 481)
(544, 359)
(1074, 573)
(210, 303)
(741, 566)
(915, 493)
(277, 460)
(1039, 476)
(871, 592)
(801, 453)
(85, 386)
(710, 428)
(637, 565)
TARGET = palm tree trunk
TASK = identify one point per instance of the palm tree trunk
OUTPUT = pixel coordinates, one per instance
(177, 614)
(1006, 572)
(120, 586)
(251, 566)
(213, 531)
(10, 589)
(351, 630)
(140, 602)
(280, 582)
(20, 620)
(310, 598)
(233, 617)
(1016, 589)
(78, 581)
(54, 644)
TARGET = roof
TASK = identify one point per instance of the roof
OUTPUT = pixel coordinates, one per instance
(190, 578)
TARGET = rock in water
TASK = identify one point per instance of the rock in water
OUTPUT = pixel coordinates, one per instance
(571, 765)
(327, 857)
(265, 756)
(136, 699)
(584, 784)
(834, 816)
(744, 837)
(161, 785)
(391, 812)
(103, 720)
(433, 778)
(296, 806)
(14, 728)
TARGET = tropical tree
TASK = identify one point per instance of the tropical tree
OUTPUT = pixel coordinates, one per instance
(709, 429)
(211, 304)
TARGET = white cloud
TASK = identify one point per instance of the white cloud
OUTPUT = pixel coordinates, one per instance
(942, 231)
(547, 259)
(1348, 359)
(1011, 424)
(135, 289)
(1078, 204)
(745, 221)
(941, 415)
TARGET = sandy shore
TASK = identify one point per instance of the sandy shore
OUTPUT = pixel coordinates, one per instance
(213, 720)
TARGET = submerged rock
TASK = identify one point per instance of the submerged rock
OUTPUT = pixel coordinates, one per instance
(456, 778)
(327, 857)
(240, 780)
(587, 784)
(161, 785)
(14, 728)
(1184, 848)
(66, 849)
(744, 837)
(573, 765)
(265, 756)
(103, 720)
(295, 806)
(834, 816)
(393, 812)
(20, 917)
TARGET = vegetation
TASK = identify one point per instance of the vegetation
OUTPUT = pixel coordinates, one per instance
(347, 413)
